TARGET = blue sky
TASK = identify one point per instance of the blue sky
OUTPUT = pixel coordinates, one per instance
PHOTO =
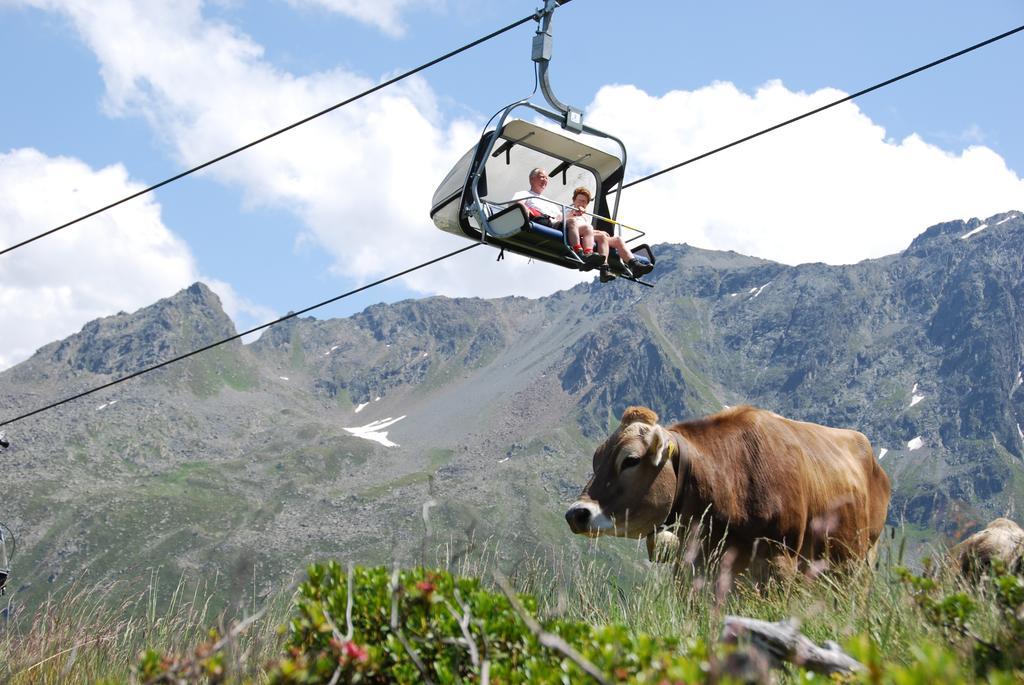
(103, 97)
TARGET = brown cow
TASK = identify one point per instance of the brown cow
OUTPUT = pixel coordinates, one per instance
(1002, 540)
(769, 490)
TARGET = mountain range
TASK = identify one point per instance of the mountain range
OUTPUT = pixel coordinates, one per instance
(428, 424)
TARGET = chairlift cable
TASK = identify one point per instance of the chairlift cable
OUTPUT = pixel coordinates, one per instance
(450, 254)
(237, 335)
(457, 51)
(276, 133)
(840, 101)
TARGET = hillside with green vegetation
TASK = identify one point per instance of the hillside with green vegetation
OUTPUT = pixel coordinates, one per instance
(443, 423)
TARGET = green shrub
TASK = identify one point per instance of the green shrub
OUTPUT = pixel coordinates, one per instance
(446, 630)
(1001, 646)
(419, 625)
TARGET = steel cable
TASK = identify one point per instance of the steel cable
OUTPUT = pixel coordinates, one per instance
(450, 254)
(267, 137)
(292, 315)
(825, 107)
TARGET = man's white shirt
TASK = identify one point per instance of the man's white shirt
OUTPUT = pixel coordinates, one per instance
(540, 203)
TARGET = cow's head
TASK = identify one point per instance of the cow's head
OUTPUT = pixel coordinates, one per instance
(634, 483)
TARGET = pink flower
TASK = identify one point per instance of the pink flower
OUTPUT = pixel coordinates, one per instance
(354, 652)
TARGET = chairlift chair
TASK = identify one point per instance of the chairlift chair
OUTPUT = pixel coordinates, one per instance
(475, 199)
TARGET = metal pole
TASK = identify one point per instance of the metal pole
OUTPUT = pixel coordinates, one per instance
(542, 47)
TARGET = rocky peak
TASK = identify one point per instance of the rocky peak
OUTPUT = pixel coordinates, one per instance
(279, 336)
(957, 235)
(127, 342)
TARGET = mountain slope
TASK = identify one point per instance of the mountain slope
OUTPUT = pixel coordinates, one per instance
(332, 438)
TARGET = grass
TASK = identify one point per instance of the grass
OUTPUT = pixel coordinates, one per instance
(662, 601)
(377, 491)
(84, 635)
(207, 374)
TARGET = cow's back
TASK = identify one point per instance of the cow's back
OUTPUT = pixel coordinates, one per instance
(756, 467)
(845, 478)
(836, 461)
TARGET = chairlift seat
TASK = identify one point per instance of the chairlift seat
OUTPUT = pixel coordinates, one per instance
(547, 231)
(510, 220)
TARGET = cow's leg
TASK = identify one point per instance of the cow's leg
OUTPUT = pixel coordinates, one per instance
(847, 537)
(785, 565)
(781, 558)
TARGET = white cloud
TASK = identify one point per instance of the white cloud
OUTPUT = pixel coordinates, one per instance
(830, 188)
(384, 14)
(361, 177)
(120, 260)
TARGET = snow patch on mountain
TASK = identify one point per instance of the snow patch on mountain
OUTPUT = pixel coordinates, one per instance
(372, 431)
(967, 235)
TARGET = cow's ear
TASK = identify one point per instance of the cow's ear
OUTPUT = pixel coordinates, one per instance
(639, 415)
(661, 446)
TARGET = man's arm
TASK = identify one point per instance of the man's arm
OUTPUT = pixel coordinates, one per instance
(520, 199)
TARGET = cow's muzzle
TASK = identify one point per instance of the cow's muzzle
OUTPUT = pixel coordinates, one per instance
(586, 518)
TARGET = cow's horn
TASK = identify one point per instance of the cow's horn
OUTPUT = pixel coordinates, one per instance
(639, 415)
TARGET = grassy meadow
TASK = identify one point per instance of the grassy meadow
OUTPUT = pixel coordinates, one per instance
(918, 628)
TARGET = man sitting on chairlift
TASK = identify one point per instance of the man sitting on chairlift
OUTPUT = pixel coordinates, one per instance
(540, 209)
